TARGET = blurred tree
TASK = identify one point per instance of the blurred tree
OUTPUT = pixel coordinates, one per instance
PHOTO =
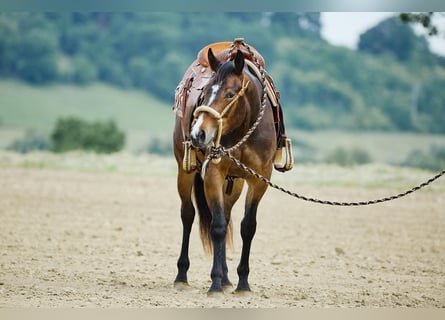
(246, 17)
(297, 24)
(8, 44)
(348, 157)
(159, 145)
(36, 56)
(433, 159)
(424, 18)
(431, 106)
(32, 141)
(391, 35)
(83, 70)
(140, 69)
(73, 133)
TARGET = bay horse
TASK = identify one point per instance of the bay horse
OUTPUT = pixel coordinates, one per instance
(234, 94)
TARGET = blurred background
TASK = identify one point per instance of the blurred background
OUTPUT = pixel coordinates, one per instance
(356, 88)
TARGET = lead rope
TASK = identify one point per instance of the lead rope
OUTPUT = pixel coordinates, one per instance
(333, 203)
(219, 151)
(263, 99)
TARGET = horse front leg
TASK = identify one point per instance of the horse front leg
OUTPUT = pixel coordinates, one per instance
(218, 229)
(185, 183)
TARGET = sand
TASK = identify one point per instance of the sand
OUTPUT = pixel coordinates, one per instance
(108, 239)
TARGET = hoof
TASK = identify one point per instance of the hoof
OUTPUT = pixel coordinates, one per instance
(228, 287)
(215, 294)
(181, 286)
(243, 293)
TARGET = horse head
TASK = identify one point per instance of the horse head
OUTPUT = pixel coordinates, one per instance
(225, 104)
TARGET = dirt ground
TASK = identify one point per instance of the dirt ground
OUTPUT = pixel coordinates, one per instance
(70, 239)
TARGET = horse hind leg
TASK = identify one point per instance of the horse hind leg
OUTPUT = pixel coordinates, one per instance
(185, 184)
(248, 228)
(229, 200)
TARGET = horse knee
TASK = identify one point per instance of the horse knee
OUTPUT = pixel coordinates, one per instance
(248, 229)
(218, 230)
(243, 270)
(218, 226)
(183, 263)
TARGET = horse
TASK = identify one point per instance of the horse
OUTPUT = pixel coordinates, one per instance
(229, 105)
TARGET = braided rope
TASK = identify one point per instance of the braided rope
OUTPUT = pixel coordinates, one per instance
(333, 203)
(263, 99)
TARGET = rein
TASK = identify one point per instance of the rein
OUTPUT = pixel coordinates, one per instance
(219, 116)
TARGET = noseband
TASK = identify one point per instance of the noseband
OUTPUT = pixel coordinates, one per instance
(219, 116)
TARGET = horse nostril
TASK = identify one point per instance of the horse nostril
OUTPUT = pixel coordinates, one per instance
(201, 137)
(198, 137)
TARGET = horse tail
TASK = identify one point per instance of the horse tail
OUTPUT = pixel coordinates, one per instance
(205, 218)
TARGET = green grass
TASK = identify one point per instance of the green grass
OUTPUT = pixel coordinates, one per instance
(31, 107)
(371, 176)
(383, 147)
(80, 161)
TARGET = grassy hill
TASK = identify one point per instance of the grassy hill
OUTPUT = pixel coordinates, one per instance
(25, 107)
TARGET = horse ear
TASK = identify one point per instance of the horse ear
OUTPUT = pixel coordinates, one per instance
(239, 62)
(213, 61)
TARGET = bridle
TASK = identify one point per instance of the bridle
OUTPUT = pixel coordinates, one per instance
(220, 115)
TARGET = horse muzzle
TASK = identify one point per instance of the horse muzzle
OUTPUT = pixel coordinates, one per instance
(199, 139)
(203, 132)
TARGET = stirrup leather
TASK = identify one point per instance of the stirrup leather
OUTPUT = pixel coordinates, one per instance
(289, 162)
(189, 160)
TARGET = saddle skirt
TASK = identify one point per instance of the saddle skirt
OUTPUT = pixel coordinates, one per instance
(197, 76)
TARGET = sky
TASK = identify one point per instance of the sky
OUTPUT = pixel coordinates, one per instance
(344, 28)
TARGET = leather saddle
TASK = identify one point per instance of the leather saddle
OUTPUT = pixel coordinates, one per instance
(222, 50)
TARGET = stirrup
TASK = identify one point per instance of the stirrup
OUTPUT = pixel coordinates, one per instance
(189, 160)
(289, 163)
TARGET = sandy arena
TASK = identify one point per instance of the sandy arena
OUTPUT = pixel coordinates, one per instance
(71, 239)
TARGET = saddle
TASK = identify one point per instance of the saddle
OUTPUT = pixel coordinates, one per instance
(196, 77)
(222, 50)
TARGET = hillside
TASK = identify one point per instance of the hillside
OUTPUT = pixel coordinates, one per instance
(322, 86)
(25, 107)
(147, 120)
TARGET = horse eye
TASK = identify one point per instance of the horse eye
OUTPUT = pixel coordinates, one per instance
(229, 95)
